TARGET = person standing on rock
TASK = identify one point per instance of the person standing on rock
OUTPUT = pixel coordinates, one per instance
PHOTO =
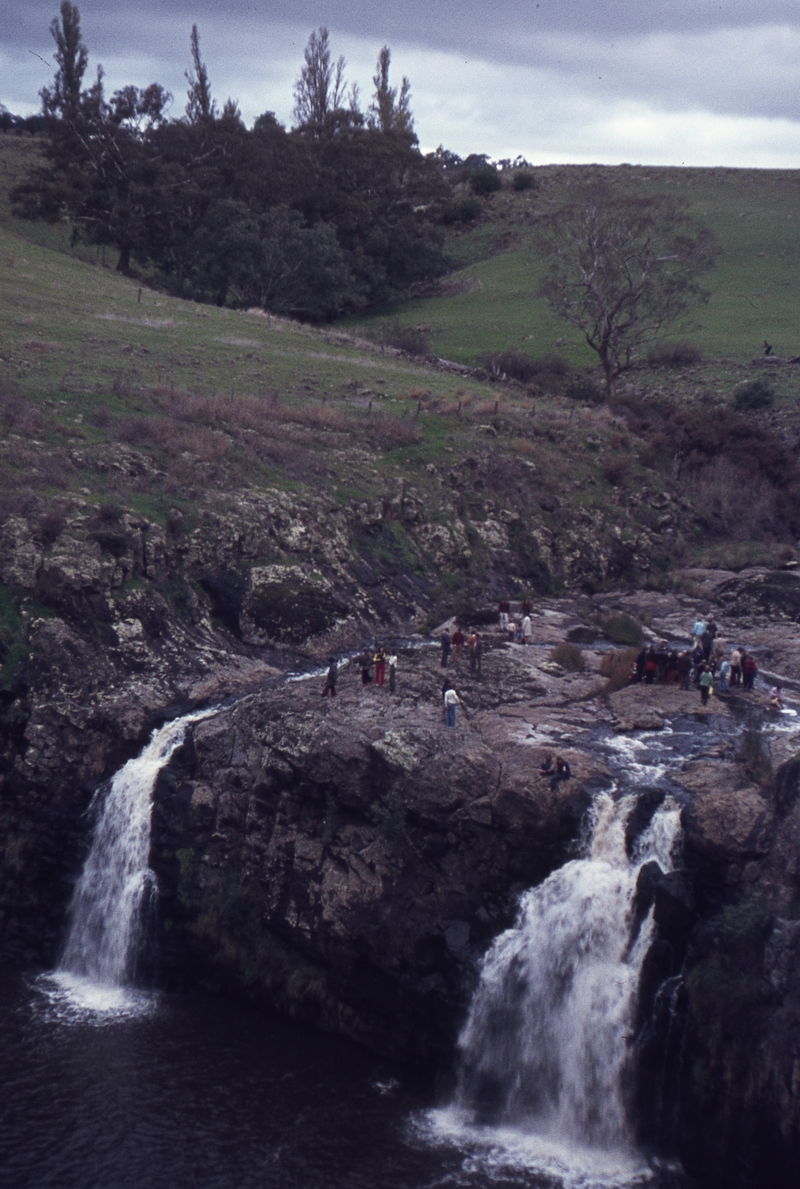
(527, 630)
(526, 607)
(458, 644)
(505, 611)
(331, 677)
(697, 660)
(475, 645)
(380, 665)
(685, 668)
(391, 661)
(366, 670)
(697, 632)
(451, 701)
(736, 666)
(706, 683)
(706, 641)
(446, 646)
(724, 675)
(749, 670)
(650, 666)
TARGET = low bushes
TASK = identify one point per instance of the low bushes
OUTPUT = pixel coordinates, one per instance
(674, 355)
(569, 656)
(621, 628)
(754, 395)
(616, 666)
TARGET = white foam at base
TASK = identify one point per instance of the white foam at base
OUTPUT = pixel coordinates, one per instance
(498, 1151)
(72, 999)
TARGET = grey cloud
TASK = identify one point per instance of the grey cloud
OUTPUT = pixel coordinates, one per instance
(678, 54)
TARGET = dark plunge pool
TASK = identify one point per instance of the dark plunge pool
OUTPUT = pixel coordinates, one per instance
(198, 1092)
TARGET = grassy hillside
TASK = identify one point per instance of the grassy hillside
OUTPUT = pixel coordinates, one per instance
(489, 303)
(120, 395)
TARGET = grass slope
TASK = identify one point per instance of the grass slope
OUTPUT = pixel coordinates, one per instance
(489, 303)
(120, 394)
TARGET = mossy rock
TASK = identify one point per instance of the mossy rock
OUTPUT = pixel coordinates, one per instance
(289, 606)
(775, 594)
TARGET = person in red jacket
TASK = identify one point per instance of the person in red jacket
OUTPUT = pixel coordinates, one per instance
(458, 644)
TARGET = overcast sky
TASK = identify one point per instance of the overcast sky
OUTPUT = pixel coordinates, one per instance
(695, 82)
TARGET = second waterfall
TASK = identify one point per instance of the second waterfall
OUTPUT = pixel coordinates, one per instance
(545, 1046)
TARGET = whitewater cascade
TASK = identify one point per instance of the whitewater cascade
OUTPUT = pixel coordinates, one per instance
(107, 905)
(545, 1045)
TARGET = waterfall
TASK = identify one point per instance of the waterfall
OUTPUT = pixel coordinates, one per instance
(545, 1046)
(107, 905)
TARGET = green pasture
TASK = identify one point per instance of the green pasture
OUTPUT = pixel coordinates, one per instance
(490, 304)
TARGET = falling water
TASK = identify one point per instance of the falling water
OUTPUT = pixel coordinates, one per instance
(545, 1045)
(116, 882)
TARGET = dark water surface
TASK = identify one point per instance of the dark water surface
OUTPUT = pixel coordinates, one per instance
(198, 1092)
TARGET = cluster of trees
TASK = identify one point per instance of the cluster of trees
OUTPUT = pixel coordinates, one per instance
(338, 213)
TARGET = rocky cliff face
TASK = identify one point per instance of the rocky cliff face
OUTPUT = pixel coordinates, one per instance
(350, 859)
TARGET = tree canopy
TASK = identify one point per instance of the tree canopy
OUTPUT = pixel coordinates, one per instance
(622, 268)
(338, 213)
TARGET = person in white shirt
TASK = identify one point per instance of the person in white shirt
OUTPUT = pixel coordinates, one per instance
(451, 700)
(527, 630)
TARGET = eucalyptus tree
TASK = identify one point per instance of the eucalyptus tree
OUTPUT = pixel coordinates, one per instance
(621, 268)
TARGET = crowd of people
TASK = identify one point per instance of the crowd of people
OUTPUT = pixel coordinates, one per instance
(704, 665)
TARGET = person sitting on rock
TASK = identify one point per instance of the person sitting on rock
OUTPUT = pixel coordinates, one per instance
(706, 682)
(331, 677)
(775, 699)
(546, 767)
(562, 772)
